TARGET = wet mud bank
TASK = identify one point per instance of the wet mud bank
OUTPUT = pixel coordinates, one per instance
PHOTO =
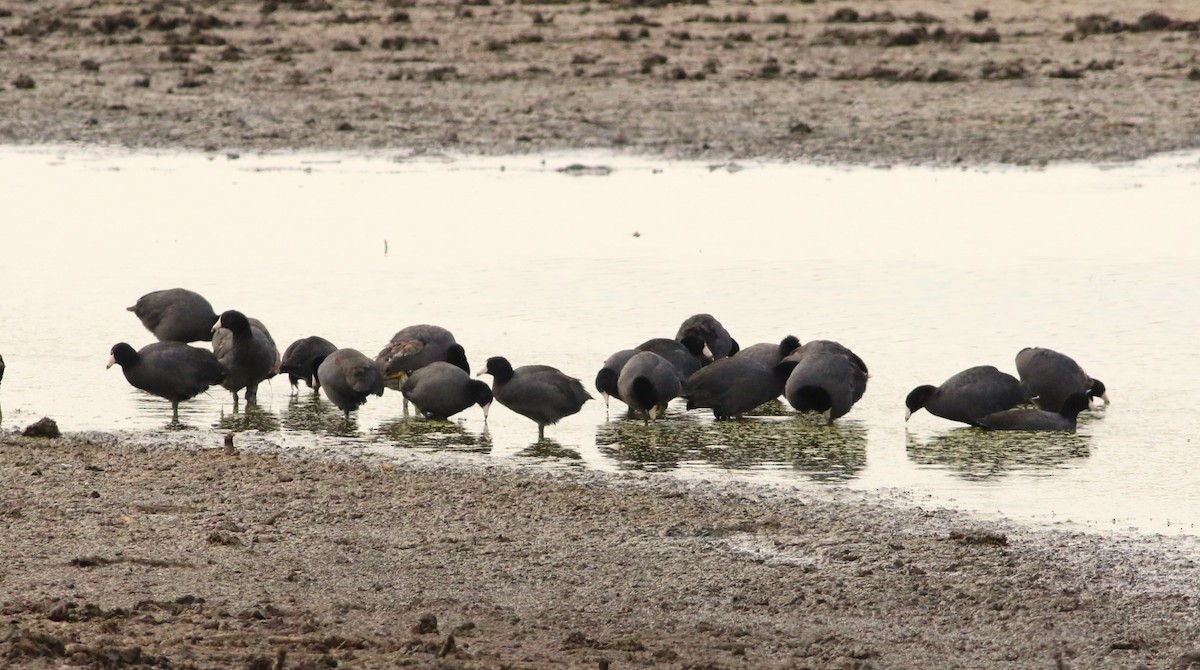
(126, 551)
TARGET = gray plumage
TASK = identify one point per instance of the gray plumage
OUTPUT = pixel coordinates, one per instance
(414, 347)
(170, 370)
(826, 380)
(827, 347)
(299, 360)
(718, 342)
(687, 355)
(610, 372)
(733, 386)
(967, 396)
(768, 354)
(538, 392)
(647, 383)
(1049, 378)
(440, 390)
(1038, 419)
(176, 315)
(347, 377)
(246, 349)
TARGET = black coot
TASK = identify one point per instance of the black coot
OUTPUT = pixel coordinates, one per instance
(247, 351)
(1038, 419)
(414, 347)
(299, 360)
(176, 315)
(733, 386)
(770, 354)
(538, 392)
(1050, 377)
(718, 342)
(827, 378)
(170, 370)
(440, 390)
(606, 378)
(347, 377)
(647, 383)
(967, 396)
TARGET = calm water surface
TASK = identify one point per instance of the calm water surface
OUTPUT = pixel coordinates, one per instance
(923, 272)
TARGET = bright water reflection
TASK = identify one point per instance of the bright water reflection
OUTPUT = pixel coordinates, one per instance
(922, 272)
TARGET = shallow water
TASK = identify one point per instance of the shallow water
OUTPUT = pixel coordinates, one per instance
(923, 272)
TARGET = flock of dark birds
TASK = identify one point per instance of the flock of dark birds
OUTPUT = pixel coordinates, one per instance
(702, 364)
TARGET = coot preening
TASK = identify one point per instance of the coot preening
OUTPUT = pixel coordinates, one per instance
(347, 377)
(1050, 377)
(247, 351)
(171, 370)
(733, 386)
(770, 354)
(827, 378)
(299, 360)
(687, 354)
(647, 383)
(828, 347)
(414, 347)
(538, 392)
(718, 342)
(176, 315)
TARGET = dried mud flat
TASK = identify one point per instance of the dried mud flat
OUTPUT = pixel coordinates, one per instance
(125, 552)
(881, 81)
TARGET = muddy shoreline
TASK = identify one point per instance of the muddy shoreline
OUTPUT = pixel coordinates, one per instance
(134, 551)
(126, 551)
(899, 81)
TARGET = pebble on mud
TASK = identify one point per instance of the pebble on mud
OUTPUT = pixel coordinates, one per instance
(979, 537)
(427, 624)
(43, 427)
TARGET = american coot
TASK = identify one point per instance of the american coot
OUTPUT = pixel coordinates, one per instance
(538, 392)
(1038, 419)
(770, 354)
(1050, 377)
(828, 347)
(825, 380)
(170, 370)
(299, 360)
(440, 390)
(347, 377)
(718, 342)
(414, 347)
(176, 315)
(967, 396)
(1, 368)
(733, 386)
(247, 351)
(606, 378)
(647, 383)
(687, 354)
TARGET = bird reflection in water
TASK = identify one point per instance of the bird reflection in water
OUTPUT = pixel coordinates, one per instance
(550, 449)
(252, 417)
(414, 432)
(822, 453)
(309, 411)
(979, 455)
